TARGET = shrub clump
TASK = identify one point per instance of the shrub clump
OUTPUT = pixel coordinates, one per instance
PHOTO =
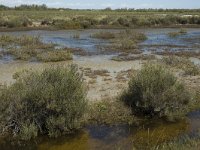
(54, 56)
(103, 35)
(51, 102)
(110, 112)
(154, 91)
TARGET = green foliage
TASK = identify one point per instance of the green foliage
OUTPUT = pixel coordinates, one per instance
(28, 131)
(155, 91)
(50, 102)
(186, 65)
(103, 35)
(54, 56)
(175, 34)
(27, 47)
(109, 111)
(127, 40)
(84, 19)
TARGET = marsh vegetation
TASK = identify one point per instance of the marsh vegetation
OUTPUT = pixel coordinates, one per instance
(34, 17)
(30, 47)
(61, 101)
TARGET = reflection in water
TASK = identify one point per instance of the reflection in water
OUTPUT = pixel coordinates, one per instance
(107, 138)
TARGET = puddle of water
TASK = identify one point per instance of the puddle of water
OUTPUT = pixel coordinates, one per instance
(108, 137)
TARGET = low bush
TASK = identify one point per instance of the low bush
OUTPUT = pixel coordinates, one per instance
(154, 91)
(103, 35)
(109, 111)
(54, 56)
(51, 102)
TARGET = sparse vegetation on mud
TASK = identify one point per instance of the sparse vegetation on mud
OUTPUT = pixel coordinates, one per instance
(187, 54)
(175, 34)
(123, 41)
(186, 65)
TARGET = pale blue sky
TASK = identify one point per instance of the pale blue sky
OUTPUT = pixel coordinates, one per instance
(83, 4)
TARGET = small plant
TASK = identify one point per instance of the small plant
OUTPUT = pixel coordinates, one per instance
(175, 34)
(183, 31)
(154, 91)
(76, 36)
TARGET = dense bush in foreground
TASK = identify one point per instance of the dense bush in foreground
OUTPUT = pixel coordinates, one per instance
(155, 91)
(49, 102)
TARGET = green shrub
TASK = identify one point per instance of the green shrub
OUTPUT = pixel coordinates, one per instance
(54, 56)
(51, 102)
(154, 91)
(123, 22)
(103, 35)
(109, 111)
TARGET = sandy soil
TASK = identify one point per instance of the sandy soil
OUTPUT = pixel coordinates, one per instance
(104, 78)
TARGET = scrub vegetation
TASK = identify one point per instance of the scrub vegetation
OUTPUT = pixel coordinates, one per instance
(175, 34)
(154, 91)
(54, 101)
(30, 47)
(51, 102)
(186, 65)
(39, 16)
(123, 41)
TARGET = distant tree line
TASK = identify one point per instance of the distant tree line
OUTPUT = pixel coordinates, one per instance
(44, 7)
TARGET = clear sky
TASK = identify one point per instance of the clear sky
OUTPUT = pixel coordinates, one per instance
(96, 4)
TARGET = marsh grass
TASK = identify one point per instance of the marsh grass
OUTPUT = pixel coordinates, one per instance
(123, 41)
(51, 102)
(29, 47)
(186, 65)
(176, 34)
(184, 143)
(135, 57)
(82, 19)
(76, 36)
(186, 54)
(103, 35)
(154, 91)
(110, 112)
(54, 56)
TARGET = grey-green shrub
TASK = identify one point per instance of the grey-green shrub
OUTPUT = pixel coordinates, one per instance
(51, 102)
(154, 91)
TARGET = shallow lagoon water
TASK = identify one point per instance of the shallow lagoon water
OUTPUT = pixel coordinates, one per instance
(157, 39)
